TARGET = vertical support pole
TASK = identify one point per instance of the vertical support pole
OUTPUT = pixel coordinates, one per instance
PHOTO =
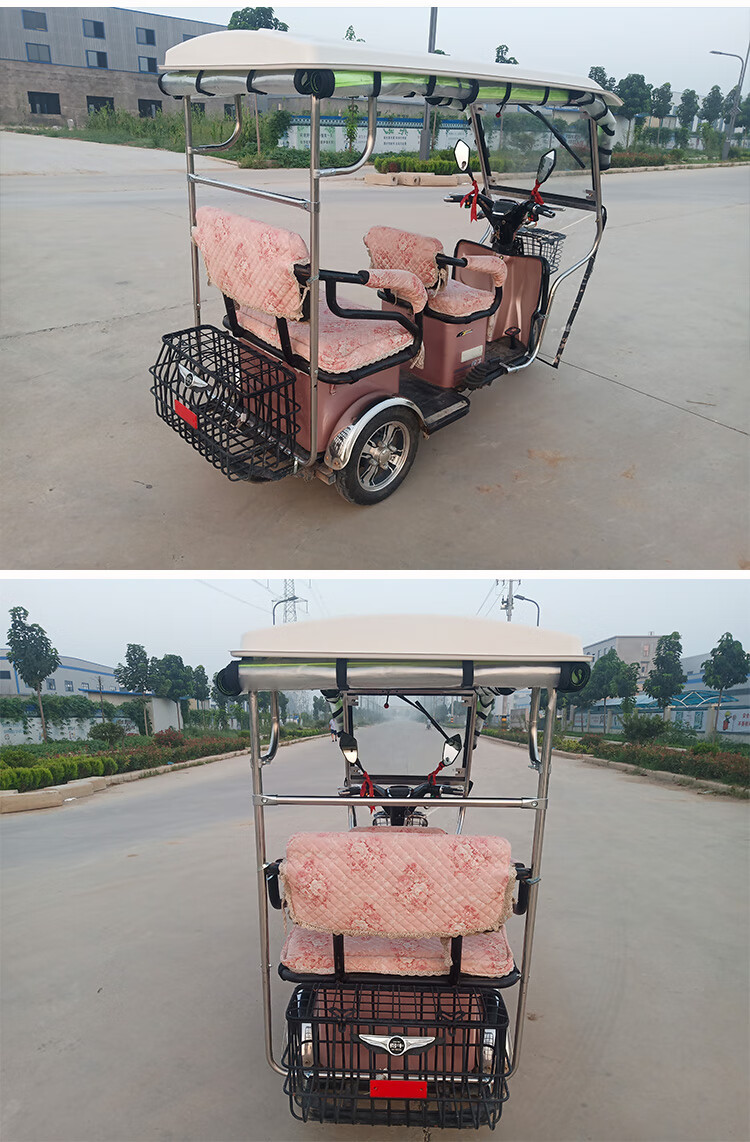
(536, 864)
(260, 859)
(314, 282)
(190, 161)
(471, 722)
(424, 138)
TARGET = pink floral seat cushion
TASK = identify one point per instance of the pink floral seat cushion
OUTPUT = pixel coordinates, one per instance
(394, 884)
(487, 955)
(392, 249)
(459, 300)
(343, 344)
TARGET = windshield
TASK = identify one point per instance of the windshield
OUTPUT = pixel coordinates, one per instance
(400, 740)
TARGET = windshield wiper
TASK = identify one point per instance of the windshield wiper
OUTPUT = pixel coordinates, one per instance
(420, 707)
(560, 138)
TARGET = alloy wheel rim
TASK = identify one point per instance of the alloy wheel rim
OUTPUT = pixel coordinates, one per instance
(383, 457)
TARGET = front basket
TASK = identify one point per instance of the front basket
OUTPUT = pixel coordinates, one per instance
(235, 406)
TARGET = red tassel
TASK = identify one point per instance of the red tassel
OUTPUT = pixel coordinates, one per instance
(367, 789)
(473, 195)
(536, 195)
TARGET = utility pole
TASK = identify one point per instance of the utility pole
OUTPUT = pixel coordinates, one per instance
(424, 139)
(737, 99)
(290, 602)
(508, 602)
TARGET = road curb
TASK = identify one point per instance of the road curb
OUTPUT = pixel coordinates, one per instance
(662, 776)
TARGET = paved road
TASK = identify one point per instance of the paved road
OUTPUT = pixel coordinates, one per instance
(131, 1006)
(632, 455)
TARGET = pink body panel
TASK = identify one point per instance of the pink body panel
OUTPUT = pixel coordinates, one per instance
(445, 344)
(520, 292)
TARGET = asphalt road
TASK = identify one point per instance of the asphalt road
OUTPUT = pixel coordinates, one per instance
(632, 455)
(131, 1002)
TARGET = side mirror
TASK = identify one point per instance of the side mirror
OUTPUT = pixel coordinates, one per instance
(349, 748)
(462, 155)
(546, 166)
(451, 749)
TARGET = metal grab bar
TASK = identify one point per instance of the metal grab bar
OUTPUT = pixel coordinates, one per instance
(273, 745)
(287, 199)
(536, 761)
(235, 133)
(404, 802)
(372, 128)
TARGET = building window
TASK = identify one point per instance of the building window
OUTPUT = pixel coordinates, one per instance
(230, 111)
(34, 21)
(5, 675)
(68, 686)
(38, 53)
(96, 59)
(44, 102)
(51, 685)
(93, 29)
(145, 36)
(147, 63)
(85, 686)
(99, 103)
(149, 108)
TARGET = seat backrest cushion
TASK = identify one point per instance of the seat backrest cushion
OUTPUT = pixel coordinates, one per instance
(392, 249)
(398, 883)
(252, 262)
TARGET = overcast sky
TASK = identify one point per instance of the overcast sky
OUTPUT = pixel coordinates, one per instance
(666, 44)
(203, 621)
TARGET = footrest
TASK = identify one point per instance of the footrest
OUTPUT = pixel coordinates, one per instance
(439, 407)
(233, 405)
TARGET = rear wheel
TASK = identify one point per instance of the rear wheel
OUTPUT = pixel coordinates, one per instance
(381, 457)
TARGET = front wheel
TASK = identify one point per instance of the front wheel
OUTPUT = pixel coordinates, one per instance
(381, 457)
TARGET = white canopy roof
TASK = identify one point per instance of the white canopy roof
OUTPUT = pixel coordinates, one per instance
(279, 52)
(431, 638)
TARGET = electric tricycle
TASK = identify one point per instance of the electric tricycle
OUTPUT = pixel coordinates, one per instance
(303, 380)
(395, 929)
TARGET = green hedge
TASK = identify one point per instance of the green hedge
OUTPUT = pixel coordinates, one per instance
(392, 164)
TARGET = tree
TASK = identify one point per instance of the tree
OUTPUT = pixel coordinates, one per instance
(32, 654)
(350, 34)
(171, 678)
(320, 708)
(661, 102)
(134, 677)
(627, 685)
(351, 123)
(743, 115)
(728, 105)
(666, 678)
(599, 75)
(727, 666)
(253, 19)
(111, 733)
(200, 684)
(710, 109)
(613, 678)
(501, 55)
(636, 98)
(688, 108)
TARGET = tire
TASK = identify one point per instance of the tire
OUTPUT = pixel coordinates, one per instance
(367, 479)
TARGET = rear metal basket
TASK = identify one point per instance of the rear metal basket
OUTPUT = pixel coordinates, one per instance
(454, 1078)
(541, 244)
(235, 406)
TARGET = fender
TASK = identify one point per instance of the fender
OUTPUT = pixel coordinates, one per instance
(353, 423)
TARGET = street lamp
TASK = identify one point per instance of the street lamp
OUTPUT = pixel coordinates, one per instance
(527, 600)
(289, 599)
(737, 97)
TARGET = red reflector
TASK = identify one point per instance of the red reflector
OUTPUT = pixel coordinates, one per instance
(397, 1088)
(186, 413)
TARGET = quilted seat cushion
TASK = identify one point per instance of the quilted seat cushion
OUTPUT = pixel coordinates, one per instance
(459, 300)
(392, 883)
(392, 249)
(343, 343)
(486, 955)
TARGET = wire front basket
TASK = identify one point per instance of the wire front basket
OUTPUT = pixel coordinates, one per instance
(233, 405)
(541, 244)
(396, 1054)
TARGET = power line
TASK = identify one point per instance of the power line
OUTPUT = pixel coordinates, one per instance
(229, 595)
(486, 597)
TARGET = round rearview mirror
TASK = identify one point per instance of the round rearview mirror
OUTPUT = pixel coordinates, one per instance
(451, 749)
(348, 746)
(462, 154)
(546, 166)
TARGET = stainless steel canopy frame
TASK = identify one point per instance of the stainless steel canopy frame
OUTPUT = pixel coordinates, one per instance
(537, 804)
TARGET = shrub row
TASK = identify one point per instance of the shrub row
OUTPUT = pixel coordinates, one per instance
(392, 164)
(721, 765)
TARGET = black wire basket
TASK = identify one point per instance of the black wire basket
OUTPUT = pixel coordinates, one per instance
(233, 405)
(541, 244)
(397, 1054)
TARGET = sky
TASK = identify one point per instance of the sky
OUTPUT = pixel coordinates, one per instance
(204, 620)
(665, 44)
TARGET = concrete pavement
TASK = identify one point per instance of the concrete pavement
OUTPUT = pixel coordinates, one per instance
(131, 1002)
(632, 455)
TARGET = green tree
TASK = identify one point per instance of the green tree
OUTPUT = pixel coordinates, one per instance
(350, 34)
(501, 55)
(636, 98)
(221, 701)
(710, 109)
(133, 675)
(111, 733)
(171, 678)
(688, 108)
(666, 677)
(200, 684)
(320, 708)
(32, 654)
(627, 685)
(743, 115)
(661, 102)
(728, 665)
(599, 75)
(728, 104)
(612, 678)
(253, 19)
(351, 123)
